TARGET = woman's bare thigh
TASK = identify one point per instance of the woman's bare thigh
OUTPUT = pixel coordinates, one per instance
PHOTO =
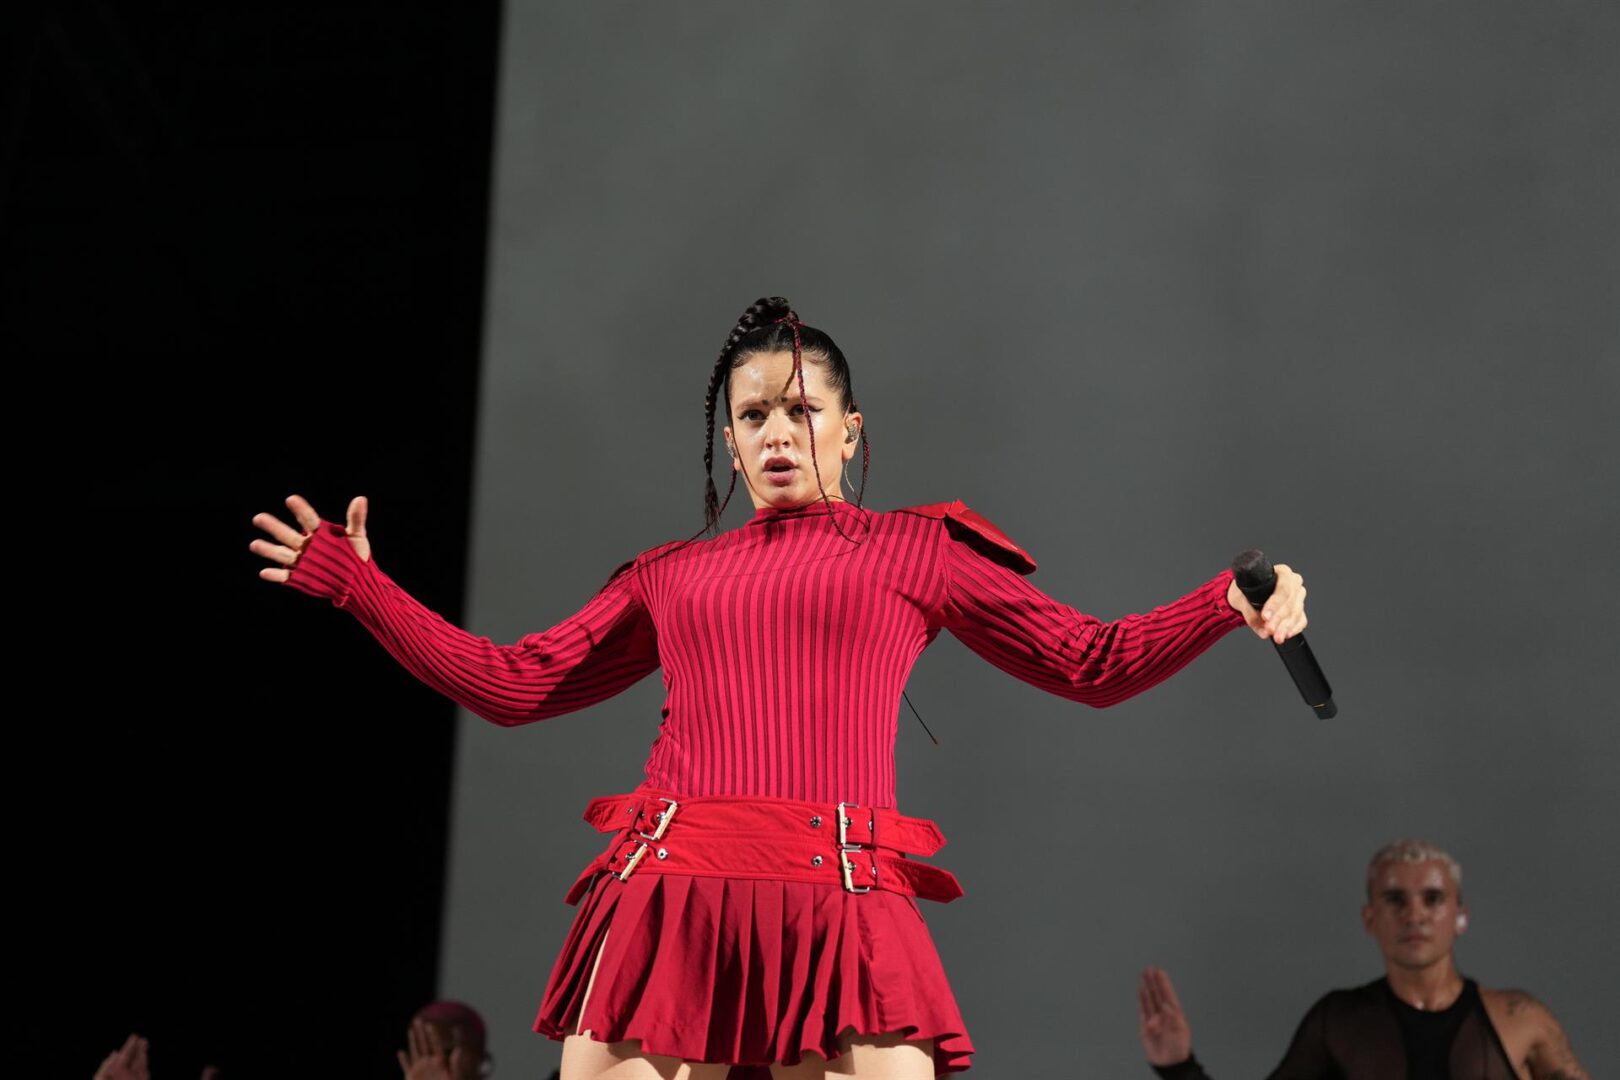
(583, 1058)
(874, 1057)
(866, 1057)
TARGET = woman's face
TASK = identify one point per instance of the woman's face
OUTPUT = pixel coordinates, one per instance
(769, 431)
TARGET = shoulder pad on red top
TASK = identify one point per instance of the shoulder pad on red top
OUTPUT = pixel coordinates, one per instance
(976, 530)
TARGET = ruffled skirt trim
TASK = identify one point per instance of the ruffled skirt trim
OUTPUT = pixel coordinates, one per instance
(750, 972)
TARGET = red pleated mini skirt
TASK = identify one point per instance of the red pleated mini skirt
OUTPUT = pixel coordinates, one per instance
(698, 960)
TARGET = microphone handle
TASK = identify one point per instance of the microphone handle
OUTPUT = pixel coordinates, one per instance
(1256, 580)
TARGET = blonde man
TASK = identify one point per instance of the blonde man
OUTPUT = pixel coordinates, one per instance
(1422, 1020)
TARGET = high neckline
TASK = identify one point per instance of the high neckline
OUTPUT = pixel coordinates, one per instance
(775, 513)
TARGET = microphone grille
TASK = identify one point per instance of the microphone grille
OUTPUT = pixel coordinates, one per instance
(1252, 568)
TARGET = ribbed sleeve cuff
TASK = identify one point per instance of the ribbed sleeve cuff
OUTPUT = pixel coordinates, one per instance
(1217, 587)
(1181, 1070)
(328, 566)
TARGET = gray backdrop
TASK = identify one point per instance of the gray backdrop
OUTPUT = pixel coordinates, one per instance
(1145, 284)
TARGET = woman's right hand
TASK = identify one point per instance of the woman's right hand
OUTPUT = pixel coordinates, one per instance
(286, 543)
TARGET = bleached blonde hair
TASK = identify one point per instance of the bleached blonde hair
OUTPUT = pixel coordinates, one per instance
(1413, 851)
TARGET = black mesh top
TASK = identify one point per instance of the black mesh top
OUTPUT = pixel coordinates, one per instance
(1370, 1034)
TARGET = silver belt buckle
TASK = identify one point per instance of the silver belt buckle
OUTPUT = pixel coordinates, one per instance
(663, 817)
(845, 846)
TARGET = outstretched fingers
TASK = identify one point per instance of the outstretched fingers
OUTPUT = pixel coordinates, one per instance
(1148, 994)
(279, 530)
(1167, 989)
(303, 513)
(286, 543)
(1158, 994)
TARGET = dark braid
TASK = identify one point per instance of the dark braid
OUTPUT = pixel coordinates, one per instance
(761, 313)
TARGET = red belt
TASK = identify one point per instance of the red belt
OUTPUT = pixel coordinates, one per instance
(859, 847)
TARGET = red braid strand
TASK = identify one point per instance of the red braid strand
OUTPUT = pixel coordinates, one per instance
(792, 320)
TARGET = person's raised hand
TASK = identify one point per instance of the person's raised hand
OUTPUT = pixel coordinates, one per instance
(426, 1057)
(287, 543)
(128, 1062)
(1166, 1036)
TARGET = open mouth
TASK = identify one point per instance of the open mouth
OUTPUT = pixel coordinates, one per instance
(780, 471)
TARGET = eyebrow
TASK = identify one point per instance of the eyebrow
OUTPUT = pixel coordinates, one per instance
(810, 400)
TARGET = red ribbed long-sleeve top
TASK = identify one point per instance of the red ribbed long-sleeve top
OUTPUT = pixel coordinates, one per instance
(784, 646)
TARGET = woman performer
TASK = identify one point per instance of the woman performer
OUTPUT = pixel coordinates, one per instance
(755, 904)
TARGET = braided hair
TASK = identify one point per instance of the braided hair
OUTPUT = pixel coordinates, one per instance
(771, 325)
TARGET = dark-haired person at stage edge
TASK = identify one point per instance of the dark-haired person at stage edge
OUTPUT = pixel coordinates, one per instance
(756, 904)
(446, 1040)
(1421, 1021)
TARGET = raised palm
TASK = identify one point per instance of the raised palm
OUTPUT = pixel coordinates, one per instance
(1166, 1035)
(128, 1062)
(428, 1058)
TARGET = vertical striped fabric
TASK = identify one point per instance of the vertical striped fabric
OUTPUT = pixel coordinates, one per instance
(784, 646)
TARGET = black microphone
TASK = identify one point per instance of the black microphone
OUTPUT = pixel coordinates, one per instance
(1256, 580)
